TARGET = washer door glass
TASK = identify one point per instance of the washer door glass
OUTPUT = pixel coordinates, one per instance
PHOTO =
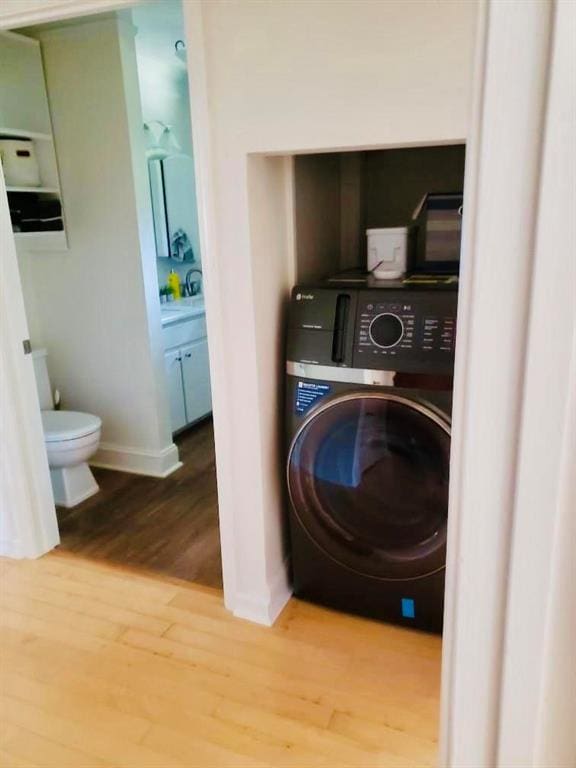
(368, 481)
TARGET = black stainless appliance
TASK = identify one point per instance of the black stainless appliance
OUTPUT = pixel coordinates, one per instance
(368, 397)
(436, 235)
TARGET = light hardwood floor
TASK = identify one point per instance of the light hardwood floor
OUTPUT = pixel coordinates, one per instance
(101, 666)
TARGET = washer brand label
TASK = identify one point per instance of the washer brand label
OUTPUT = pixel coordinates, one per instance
(308, 393)
(304, 297)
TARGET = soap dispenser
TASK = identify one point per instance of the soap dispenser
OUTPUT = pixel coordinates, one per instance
(174, 284)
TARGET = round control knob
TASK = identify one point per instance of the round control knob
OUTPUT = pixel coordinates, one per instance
(386, 330)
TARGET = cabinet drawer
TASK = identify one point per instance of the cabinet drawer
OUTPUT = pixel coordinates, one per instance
(184, 333)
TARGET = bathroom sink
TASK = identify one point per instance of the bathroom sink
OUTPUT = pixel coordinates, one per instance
(185, 304)
(177, 311)
(167, 314)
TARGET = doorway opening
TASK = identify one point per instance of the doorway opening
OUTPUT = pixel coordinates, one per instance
(102, 198)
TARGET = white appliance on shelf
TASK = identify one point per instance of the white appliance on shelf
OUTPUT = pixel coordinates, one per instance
(173, 191)
(387, 252)
(18, 157)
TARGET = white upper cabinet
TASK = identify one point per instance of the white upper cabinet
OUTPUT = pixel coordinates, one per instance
(36, 210)
(23, 99)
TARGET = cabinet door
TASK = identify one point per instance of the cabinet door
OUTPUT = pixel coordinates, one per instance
(196, 374)
(173, 366)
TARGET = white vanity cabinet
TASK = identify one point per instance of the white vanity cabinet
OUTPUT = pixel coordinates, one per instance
(187, 371)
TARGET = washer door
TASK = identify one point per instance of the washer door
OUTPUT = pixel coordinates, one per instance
(368, 481)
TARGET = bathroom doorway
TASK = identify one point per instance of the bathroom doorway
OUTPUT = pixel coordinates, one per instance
(168, 526)
(111, 265)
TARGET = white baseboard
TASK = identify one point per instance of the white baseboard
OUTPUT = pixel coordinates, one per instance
(265, 609)
(11, 548)
(15, 550)
(137, 461)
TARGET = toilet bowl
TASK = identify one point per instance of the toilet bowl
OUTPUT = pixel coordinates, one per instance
(71, 438)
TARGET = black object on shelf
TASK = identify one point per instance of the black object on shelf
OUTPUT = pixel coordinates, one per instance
(436, 236)
(35, 212)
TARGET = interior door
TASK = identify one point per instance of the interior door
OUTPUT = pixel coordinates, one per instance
(368, 481)
(196, 375)
(28, 524)
(173, 366)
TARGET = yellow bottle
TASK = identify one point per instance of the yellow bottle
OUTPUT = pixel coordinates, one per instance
(174, 284)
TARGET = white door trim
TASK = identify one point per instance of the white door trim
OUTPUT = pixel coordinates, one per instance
(518, 322)
(14, 16)
(208, 229)
(538, 727)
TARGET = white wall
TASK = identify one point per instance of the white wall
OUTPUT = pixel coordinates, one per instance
(164, 93)
(163, 80)
(162, 76)
(95, 306)
(286, 77)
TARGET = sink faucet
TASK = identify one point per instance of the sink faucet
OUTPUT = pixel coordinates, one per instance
(191, 285)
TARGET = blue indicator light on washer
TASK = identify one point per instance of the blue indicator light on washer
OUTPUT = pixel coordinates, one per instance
(408, 609)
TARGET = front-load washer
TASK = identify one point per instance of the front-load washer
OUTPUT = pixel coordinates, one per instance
(368, 396)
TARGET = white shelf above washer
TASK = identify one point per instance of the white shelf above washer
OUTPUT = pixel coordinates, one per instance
(18, 133)
(44, 190)
(42, 241)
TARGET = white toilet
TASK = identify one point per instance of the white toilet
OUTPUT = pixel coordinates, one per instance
(71, 439)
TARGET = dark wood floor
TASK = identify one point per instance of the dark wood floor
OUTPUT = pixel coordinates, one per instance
(168, 526)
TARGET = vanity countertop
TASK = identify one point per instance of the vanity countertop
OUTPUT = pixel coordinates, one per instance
(181, 310)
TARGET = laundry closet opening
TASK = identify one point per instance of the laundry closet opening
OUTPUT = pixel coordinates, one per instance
(365, 360)
(102, 194)
(369, 364)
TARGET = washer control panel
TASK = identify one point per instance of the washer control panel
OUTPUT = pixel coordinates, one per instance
(402, 330)
(386, 330)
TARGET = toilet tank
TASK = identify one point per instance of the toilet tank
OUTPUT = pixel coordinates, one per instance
(42, 379)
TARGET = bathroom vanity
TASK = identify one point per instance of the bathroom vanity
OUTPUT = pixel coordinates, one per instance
(186, 361)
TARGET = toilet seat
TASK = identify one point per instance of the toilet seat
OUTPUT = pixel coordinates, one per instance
(60, 426)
